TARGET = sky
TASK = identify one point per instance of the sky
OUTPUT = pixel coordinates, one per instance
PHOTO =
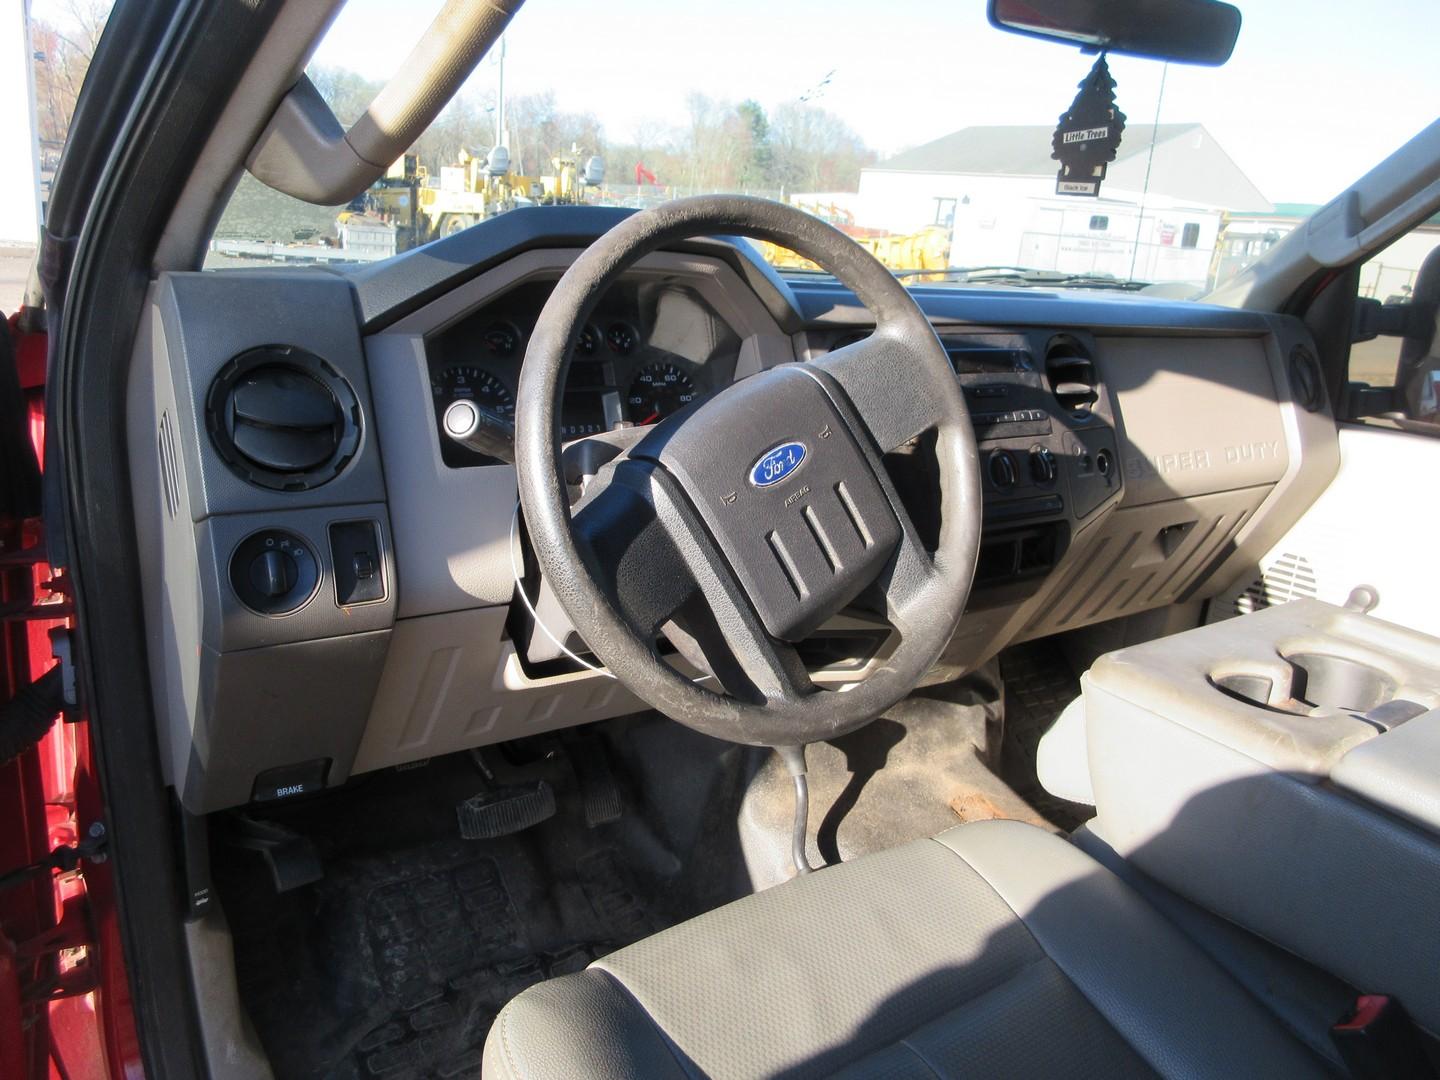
(1314, 95)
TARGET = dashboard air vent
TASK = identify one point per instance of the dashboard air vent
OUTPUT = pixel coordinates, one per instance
(283, 418)
(1071, 374)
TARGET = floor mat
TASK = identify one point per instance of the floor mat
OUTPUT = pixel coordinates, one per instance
(395, 963)
(924, 767)
(1038, 685)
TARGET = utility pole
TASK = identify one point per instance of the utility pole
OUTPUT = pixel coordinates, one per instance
(19, 180)
(500, 99)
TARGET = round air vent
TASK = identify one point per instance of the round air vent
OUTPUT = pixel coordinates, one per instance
(282, 418)
(1071, 374)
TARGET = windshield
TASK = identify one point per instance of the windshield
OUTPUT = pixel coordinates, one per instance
(924, 133)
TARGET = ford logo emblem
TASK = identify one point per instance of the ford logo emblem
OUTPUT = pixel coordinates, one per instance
(775, 465)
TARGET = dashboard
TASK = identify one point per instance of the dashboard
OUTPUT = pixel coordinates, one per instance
(648, 350)
(334, 586)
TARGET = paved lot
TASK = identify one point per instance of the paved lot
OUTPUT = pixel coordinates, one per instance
(14, 266)
(1374, 361)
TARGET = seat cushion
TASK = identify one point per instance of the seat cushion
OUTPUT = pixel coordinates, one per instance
(994, 949)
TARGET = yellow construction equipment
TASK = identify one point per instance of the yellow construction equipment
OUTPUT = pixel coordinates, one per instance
(422, 207)
(925, 249)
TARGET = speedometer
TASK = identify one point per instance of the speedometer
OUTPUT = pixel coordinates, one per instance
(657, 391)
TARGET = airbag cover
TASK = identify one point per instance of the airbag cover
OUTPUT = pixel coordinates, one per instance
(787, 493)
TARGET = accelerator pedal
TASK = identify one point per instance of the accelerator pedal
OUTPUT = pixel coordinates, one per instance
(501, 811)
(598, 787)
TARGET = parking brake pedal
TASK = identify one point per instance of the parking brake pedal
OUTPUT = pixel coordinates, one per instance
(506, 810)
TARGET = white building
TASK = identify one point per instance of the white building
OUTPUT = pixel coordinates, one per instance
(995, 187)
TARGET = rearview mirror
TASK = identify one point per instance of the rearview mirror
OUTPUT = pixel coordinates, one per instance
(1185, 31)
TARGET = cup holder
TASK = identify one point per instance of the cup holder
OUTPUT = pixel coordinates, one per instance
(1333, 682)
(1254, 689)
(1317, 681)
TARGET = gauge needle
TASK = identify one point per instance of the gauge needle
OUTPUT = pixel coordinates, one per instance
(650, 419)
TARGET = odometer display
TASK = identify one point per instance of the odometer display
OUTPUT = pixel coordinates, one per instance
(581, 414)
(657, 391)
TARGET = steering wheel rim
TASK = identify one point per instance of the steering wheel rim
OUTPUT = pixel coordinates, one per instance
(889, 388)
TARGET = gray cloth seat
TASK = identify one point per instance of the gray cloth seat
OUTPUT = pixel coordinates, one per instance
(995, 949)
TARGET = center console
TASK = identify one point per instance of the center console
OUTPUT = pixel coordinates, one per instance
(1282, 769)
(1047, 450)
(1045, 429)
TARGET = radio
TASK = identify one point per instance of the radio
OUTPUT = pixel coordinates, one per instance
(1045, 463)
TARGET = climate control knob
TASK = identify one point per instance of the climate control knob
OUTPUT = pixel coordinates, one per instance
(1043, 467)
(1002, 470)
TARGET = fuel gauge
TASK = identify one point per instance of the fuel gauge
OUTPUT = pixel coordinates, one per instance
(622, 338)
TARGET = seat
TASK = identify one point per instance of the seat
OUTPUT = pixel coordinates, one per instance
(994, 949)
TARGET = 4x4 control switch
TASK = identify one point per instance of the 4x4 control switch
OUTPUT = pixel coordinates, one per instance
(274, 572)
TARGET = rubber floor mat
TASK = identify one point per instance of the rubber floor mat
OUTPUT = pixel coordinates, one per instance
(395, 964)
(1038, 686)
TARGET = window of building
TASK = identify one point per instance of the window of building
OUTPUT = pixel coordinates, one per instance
(945, 212)
(1190, 236)
(1099, 222)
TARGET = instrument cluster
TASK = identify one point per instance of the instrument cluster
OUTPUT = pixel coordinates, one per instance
(646, 352)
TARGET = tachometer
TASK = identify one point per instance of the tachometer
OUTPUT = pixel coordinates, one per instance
(475, 383)
(657, 391)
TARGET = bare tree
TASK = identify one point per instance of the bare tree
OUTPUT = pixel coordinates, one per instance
(815, 150)
(63, 47)
(540, 131)
(348, 93)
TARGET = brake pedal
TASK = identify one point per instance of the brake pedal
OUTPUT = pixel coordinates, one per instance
(505, 810)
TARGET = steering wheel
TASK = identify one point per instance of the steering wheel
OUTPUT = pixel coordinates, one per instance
(736, 527)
